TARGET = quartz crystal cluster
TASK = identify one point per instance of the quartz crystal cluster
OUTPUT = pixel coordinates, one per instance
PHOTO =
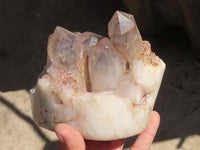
(104, 87)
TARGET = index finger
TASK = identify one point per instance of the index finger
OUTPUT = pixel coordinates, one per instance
(145, 139)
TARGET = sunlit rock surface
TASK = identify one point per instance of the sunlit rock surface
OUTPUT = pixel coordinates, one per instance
(105, 88)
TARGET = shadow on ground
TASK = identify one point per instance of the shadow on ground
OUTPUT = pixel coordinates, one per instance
(50, 145)
(23, 42)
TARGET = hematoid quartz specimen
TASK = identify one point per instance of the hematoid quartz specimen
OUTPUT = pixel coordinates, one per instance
(104, 87)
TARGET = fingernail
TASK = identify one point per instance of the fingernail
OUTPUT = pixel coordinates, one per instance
(60, 138)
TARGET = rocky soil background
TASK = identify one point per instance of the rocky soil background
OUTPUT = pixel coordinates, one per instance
(24, 29)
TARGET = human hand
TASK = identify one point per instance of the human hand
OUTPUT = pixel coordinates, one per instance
(71, 139)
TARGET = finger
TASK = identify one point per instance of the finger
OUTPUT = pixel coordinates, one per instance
(105, 145)
(70, 138)
(145, 139)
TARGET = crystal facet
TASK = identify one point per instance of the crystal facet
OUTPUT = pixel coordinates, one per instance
(105, 66)
(89, 39)
(123, 32)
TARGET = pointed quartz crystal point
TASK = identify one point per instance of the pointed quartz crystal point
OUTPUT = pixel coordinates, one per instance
(88, 40)
(64, 49)
(123, 32)
(66, 52)
(106, 66)
(128, 88)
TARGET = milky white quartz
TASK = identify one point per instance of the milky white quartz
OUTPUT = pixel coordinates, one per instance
(105, 88)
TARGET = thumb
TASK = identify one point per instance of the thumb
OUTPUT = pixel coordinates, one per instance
(69, 137)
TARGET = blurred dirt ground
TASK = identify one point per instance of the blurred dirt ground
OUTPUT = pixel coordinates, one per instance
(23, 40)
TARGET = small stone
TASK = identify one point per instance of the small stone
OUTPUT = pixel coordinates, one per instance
(128, 88)
(88, 40)
(106, 66)
(123, 32)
